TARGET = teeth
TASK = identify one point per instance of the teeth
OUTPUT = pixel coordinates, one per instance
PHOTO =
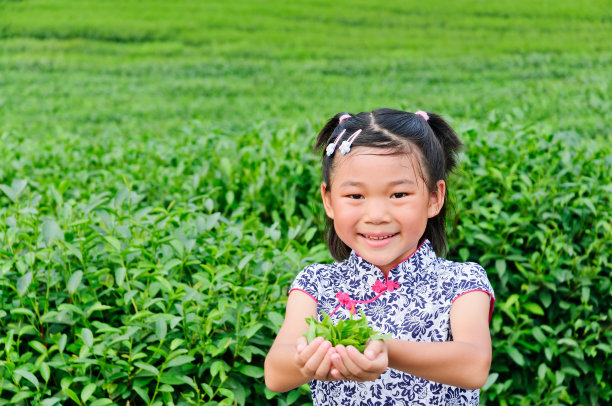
(379, 238)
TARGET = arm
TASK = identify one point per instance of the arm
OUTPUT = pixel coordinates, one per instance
(463, 362)
(291, 362)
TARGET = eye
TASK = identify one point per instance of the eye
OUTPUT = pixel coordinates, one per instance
(355, 196)
(399, 195)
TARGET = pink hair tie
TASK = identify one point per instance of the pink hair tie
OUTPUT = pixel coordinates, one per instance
(422, 114)
(344, 117)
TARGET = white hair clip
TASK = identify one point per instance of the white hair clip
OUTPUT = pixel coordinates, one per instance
(332, 146)
(345, 147)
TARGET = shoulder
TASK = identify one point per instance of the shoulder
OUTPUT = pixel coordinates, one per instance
(319, 270)
(313, 279)
(464, 276)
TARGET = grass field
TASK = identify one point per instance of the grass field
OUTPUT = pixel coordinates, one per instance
(159, 192)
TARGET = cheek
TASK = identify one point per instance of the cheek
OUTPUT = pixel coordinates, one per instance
(346, 216)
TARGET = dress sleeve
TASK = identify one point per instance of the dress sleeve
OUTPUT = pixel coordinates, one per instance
(471, 277)
(307, 281)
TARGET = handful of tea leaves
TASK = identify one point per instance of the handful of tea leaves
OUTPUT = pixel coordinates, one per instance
(346, 332)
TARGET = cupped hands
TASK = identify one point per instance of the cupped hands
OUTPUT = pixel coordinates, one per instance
(319, 360)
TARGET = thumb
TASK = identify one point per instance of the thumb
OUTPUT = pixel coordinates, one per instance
(373, 349)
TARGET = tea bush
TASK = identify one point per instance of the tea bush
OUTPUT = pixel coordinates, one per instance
(158, 193)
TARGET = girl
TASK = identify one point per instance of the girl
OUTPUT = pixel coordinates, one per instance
(384, 188)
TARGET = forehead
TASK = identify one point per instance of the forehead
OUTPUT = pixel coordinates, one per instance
(376, 165)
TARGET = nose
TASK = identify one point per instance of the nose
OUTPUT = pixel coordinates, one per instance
(377, 211)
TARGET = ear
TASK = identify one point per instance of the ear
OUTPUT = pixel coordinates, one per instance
(326, 196)
(436, 199)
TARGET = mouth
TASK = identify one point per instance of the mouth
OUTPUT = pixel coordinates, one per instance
(378, 237)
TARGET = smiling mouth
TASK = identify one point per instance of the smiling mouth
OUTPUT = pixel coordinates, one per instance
(377, 238)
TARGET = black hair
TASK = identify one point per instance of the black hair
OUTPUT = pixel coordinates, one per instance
(399, 131)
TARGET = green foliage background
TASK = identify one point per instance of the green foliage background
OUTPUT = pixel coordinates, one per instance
(158, 192)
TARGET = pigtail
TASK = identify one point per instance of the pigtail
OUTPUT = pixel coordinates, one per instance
(450, 144)
(339, 250)
(448, 140)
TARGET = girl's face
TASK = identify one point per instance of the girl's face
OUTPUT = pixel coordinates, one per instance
(380, 204)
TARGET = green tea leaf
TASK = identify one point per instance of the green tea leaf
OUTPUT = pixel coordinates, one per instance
(251, 370)
(51, 231)
(27, 375)
(87, 337)
(75, 281)
(23, 283)
(87, 391)
(161, 328)
(147, 367)
(180, 360)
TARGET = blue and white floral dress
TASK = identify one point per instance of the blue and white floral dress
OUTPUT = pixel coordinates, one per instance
(413, 303)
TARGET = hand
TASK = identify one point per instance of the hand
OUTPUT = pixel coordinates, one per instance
(349, 363)
(313, 360)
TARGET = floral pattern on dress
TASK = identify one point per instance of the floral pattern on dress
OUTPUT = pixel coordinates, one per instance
(417, 310)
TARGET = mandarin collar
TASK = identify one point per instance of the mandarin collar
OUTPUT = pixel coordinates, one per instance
(421, 258)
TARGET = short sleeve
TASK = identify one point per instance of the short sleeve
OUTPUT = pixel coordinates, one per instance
(308, 281)
(471, 277)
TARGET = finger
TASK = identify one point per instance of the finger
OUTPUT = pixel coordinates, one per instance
(344, 363)
(355, 361)
(303, 355)
(325, 366)
(301, 344)
(366, 364)
(317, 358)
(337, 375)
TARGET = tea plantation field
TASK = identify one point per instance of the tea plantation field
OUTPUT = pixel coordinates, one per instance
(158, 191)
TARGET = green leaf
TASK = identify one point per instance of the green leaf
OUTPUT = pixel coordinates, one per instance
(87, 337)
(61, 344)
(23, 283)
(534, 308)
(18, 186)
(27, 375)
(120, 275)
(180, 360)
(24, 311)
(38, 346)
(293, 396)
(490, 380)
(113, 242)
(75, 281)
(51, 231)
(250, 332)
(9, 193)
(161, 329)
(45, 371)
(87, 391)
(70, 393)
(251, 370)
(216, 368)
(50, 402)
(101, 402)
(269, 394)
(74, 251)
(516, 356)
(147, 367)
(22, 395)
(142, 392)
(208, 389)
